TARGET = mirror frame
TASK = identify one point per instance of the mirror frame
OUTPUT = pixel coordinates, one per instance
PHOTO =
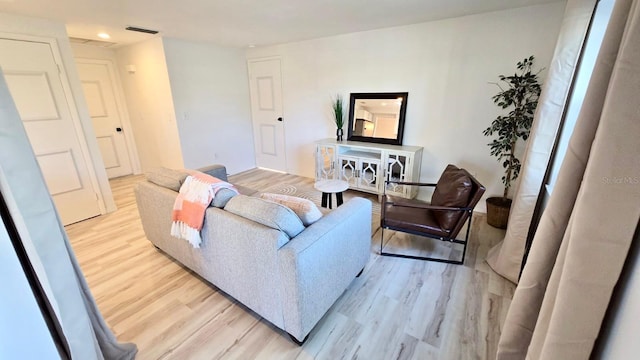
(376, 96)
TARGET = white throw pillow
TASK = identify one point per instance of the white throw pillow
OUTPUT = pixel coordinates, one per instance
(306, 210)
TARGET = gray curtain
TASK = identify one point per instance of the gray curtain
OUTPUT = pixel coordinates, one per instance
(47, 245)
(506, 257)
(586, 229)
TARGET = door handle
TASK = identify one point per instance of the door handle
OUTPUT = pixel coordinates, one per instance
(280, 118)
(119, 129)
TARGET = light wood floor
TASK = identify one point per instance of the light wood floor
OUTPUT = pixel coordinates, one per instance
(397, 309)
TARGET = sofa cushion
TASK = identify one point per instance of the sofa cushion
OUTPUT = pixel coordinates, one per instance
(168, 178)
(267, 213)
(306, 210)
(222, 197)
(452, 190)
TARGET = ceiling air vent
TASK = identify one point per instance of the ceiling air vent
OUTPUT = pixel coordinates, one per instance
(147, 31)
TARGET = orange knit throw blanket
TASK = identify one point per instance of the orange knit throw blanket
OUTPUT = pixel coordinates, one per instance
(196, 193)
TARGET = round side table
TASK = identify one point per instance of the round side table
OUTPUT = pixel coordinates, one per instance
(328, 187)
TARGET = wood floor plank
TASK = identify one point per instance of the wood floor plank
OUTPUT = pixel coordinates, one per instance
(397, 309)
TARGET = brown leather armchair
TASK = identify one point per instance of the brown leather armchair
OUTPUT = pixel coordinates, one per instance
(456, 194)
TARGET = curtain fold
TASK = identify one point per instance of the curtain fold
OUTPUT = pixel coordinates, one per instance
(587, 228)
(506, 257)
(47, 245)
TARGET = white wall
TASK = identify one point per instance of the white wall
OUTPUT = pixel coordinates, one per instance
(619, 339)
(13, 24)
(150, 104)
(446, 67)
(210, 89)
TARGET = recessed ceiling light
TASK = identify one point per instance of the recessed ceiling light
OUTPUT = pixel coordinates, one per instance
(104, 36)
(252, 45)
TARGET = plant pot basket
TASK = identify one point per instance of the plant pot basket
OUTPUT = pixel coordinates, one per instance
(498, 211)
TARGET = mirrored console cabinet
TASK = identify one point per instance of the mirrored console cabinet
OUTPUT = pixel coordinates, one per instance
(366, 166)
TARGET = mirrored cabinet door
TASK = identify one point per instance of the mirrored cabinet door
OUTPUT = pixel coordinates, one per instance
(325, 162)
(349, 170)
(368, 174)
(397, 169)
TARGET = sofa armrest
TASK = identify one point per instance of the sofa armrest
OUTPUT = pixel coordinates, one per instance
(217, 171)
(319, 264)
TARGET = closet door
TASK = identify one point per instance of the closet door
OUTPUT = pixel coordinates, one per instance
(34, 80)
(265, 85)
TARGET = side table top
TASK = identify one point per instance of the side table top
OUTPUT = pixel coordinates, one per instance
(331, 186)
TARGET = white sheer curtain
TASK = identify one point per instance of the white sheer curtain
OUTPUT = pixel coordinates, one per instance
(506, 257)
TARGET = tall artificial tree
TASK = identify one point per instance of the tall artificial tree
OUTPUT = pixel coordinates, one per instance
(519, 94)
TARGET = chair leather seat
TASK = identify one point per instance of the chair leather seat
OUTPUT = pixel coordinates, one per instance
(412, 219)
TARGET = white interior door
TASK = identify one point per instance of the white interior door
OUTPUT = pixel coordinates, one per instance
(33, 78)
(98, 82)
(265, 83)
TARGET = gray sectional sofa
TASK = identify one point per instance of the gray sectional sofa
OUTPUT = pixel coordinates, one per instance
(289, 281)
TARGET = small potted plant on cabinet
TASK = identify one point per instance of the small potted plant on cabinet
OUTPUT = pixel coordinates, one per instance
(339, 114)
(519, 93)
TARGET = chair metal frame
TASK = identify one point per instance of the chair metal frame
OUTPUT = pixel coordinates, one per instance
(451, 239)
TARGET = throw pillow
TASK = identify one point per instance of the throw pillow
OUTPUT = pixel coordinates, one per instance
(453, 189)
(306, 210)
(222, 197)
(168, 178)
(217, 171)
(267, 213)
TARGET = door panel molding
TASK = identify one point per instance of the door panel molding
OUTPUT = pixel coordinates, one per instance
(94, 87)
(265, 98)
(30, 91)
(268, 139)
(61, 161)
(109, 154)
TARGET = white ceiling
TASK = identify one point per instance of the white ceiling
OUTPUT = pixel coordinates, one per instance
(240, 23)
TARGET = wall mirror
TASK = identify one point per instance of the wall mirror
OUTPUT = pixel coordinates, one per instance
(377, 117)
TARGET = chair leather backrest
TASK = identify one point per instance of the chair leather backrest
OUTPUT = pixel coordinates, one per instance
(453, 190)
(477, 190)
